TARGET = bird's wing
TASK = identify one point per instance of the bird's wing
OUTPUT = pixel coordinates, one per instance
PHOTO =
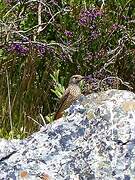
(63, 98)
(62, 101)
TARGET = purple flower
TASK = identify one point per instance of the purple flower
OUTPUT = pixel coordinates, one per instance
(94, 85)
(98, 13)
(109, 81)
(115, 26)
(18, 48)
(83, 21)
(94, 35)
(68, 33)
(88, 78)
(89, 15)
(124, 17)
(69, 43)
(42, 49)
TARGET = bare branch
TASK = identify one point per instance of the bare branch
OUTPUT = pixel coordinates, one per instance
(115, 77)
(39, 17)
(35, 121)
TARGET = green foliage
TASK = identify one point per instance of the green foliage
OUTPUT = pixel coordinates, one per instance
(18, 134)
(41, 46)
(58, 87)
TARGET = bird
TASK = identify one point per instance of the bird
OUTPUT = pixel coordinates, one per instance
(71, 94)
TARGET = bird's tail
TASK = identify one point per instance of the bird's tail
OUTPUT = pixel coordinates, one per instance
(58, 115)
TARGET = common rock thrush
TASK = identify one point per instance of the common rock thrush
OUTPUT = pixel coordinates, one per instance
(72, 92)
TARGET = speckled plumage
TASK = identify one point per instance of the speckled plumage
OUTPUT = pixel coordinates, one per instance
(72, 92)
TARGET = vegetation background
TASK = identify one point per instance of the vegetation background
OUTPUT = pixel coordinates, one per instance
(44, 42)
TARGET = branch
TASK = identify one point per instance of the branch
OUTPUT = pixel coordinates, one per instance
(39, 17)
(44, 24)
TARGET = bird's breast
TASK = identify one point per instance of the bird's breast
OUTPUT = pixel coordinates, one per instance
(74, 93)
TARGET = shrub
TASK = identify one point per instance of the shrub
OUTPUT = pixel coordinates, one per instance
(93, 38)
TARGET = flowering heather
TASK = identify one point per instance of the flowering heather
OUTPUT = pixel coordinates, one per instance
(114, 27)
(89, 78)
(92, 81)
(18, 48)
(41, 49)
(64, 56)
(94, 34)
(88, 16)
(68, 33)
(109, 81)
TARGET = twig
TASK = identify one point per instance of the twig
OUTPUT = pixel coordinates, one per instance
(103, 3)
(131, 21)
(119, 48)
(11, 9)
(100, 83)
(39, 17)
(35, 121)
(111, 61)
(42, 119)
(113, 77)
(46, 24)
(46, 7)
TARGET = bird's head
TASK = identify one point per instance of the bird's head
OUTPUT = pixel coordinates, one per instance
(75, 79)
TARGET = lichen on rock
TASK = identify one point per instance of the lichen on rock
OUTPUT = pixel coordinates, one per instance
(96, 140)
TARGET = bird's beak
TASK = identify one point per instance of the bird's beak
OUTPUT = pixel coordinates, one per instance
(82, 78)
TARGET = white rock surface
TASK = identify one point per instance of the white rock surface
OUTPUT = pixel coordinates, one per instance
(95, 141)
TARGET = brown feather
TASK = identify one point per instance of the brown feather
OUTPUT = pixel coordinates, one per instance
(70, 95)
(62, 100)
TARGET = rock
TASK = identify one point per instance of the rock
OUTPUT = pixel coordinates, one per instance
(96, 140)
